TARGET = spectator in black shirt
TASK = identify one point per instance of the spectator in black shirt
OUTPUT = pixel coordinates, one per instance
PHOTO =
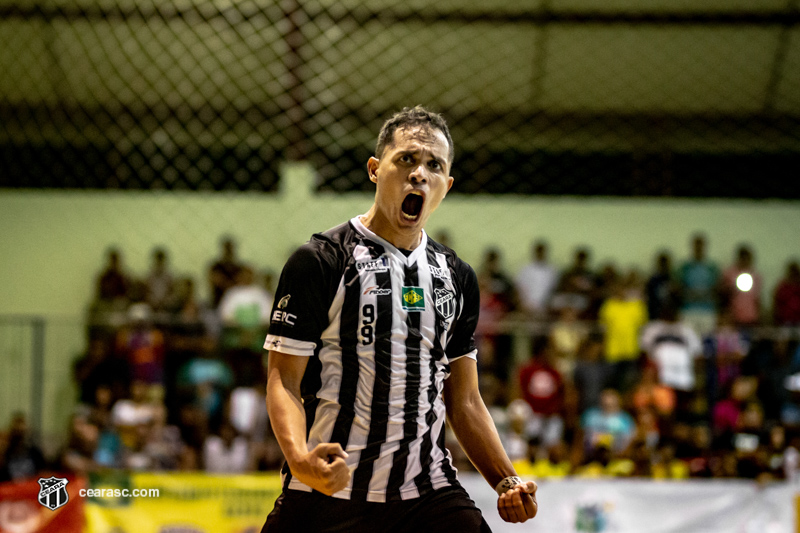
(113, 284)
(222, 274)
(661, 290)
(23, 458)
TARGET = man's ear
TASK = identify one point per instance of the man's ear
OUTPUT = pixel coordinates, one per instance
(372, 168)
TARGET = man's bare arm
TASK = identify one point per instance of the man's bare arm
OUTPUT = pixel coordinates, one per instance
(322, 468)
(475, 429)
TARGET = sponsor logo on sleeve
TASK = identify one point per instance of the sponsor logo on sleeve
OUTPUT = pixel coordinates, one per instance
(279, 316)
(282, 317)
(413, 298)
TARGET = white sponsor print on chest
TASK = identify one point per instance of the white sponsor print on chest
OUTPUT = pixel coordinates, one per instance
(380, 264)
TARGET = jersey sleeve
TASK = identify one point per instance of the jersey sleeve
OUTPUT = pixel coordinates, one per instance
(463, 341)
(300, 309)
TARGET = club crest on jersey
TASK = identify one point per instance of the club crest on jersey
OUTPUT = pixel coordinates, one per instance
(53, 492)
(445, 303)
(413, 298)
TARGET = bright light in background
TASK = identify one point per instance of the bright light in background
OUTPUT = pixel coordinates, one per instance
(744, 282)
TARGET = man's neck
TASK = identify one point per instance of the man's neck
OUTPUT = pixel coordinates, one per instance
(380, 226)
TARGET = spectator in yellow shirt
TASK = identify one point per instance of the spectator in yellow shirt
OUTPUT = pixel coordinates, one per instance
(622, 315)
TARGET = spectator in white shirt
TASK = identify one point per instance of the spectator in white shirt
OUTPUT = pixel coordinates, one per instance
(226, 453)
(244, 312)
(536, 281)
(674, 347)
(246, 304)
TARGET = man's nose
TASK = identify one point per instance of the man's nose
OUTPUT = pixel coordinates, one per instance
(418, 174)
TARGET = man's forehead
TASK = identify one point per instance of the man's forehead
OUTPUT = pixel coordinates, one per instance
(426, 136)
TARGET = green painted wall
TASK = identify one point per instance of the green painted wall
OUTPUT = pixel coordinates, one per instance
(52, 243)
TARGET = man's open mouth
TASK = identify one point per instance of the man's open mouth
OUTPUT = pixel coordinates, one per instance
(412, 206)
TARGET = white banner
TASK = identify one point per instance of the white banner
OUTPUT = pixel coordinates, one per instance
(646, 506)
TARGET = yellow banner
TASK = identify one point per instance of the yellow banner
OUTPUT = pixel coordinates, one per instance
(797, 512)
(185, 503)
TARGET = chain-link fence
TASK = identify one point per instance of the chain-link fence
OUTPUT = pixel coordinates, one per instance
(656, 98)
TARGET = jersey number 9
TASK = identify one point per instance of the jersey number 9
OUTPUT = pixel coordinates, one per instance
(367, 331)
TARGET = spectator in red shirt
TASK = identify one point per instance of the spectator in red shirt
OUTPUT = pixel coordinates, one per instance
(542, 386)
(727, 411)
(786, 304)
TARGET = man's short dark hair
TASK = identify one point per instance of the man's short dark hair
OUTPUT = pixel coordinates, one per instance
(411, 117)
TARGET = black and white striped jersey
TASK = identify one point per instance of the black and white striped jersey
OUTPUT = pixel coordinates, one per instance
(380, 326)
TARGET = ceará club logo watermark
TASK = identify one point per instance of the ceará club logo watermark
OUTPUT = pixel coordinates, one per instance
(53, 492)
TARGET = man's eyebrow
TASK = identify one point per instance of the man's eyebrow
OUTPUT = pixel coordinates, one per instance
(417, 151)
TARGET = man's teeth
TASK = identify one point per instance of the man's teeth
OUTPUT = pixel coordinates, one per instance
(415, 217)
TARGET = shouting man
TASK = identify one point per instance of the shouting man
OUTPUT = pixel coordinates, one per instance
(370, 348)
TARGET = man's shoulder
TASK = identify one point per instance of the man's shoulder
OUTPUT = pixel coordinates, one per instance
(336, 237)
(329, 246)
(441, 248)
(343, 231)
(458, 265)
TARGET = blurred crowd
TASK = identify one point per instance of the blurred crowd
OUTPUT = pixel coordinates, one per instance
(169, 380)
(679, 372)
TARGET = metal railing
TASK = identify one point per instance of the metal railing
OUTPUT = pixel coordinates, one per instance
(37, 354)
(22, 357)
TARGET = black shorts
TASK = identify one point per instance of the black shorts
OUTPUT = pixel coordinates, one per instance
(446, 510)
